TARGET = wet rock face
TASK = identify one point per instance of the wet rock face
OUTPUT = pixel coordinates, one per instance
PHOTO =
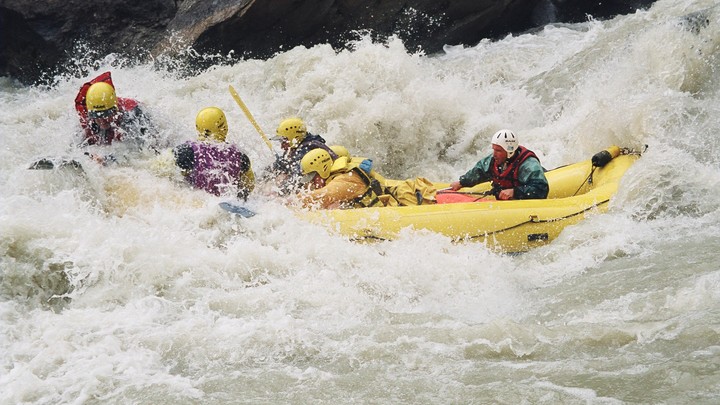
(578, 10)
(39, 36)
(263, 28)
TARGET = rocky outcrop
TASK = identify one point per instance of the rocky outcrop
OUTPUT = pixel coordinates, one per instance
(261, 28)
(41, 36)
(571, 11)
(38, 37)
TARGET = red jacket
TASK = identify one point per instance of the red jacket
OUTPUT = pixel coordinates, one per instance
(92, 131)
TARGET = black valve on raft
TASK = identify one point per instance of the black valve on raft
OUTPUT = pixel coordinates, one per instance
(604, 157)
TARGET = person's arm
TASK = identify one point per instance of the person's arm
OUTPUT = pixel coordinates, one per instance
(341, 189)
(246, 180)
(478, 174)
(281, 165)
(533, 183)
(184, 157)
(140, 129)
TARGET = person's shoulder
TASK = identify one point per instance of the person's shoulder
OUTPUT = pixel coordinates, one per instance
(532, 163)
(184, 146)
(485, 160)
(128, 104)
(531, 155)
(235, 148)
(348, 176)
(314, 138)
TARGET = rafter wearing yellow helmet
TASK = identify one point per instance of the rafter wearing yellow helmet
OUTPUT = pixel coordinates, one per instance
(211, 124)
(337, 183)
(296, 142)
(212, 164)
(106, 118)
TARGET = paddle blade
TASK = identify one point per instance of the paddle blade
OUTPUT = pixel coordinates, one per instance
(249, 116)
(236, 209)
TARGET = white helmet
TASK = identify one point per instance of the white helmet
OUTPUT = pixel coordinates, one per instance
(507, 140)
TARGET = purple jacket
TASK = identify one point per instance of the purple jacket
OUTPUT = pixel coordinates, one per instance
(215, 167)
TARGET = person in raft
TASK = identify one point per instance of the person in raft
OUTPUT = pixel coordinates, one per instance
(295, 142)
(106, 119)
(338, 183)
(515, 171)
(211, 163)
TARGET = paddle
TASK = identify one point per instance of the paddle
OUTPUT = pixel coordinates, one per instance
(483, 194)
(249, 116)
(236, 209)
(232, 207)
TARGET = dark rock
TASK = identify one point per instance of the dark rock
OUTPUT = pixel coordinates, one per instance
(572, 11)
(264, 28)
(24, 53)
(56, 36)
(41, 37)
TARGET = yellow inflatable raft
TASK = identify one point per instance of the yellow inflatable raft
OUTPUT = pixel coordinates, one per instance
(507, 226)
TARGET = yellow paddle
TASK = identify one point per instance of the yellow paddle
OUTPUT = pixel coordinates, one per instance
(249, 116)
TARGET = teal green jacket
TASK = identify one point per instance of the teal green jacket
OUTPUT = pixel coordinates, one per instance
(531, 176)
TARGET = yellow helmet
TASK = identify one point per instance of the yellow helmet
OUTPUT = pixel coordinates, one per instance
(211, 123)
(340, 151)
(317, 160)
(292, 129)
(100, 97)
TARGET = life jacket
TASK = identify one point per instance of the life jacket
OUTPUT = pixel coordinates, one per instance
(290, 161)
(93, 133)
(370, 197)
(508, 178)
(216, 166)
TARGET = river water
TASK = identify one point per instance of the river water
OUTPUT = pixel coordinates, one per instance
(121, 285)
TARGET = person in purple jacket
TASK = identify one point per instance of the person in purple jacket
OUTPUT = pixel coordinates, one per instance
(210, 163)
